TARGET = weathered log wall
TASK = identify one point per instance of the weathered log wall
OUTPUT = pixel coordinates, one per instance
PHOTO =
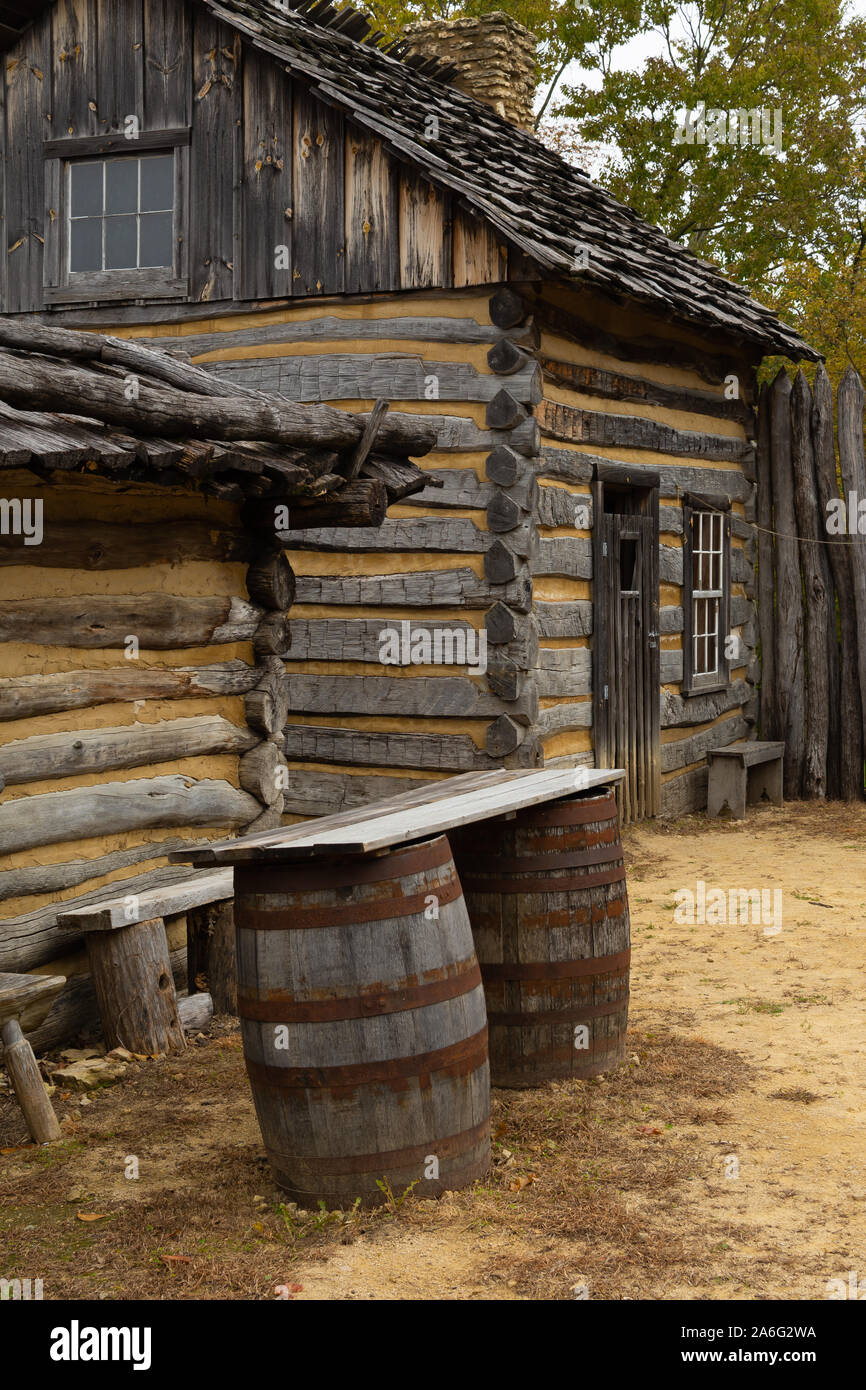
(619, 390)
(495, 548)
(130, 701)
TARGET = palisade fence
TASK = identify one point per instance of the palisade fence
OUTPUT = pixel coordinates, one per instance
(812, 581)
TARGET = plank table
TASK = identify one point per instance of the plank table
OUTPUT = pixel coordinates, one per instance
(430, 810)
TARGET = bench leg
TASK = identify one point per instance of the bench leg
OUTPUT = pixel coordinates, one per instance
(134, 988)
(24, 1075)
(727, 787)
(765, 780)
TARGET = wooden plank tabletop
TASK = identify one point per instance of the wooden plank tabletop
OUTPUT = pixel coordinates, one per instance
(424, 812)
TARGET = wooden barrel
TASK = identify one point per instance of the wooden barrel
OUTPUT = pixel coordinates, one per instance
(364, 1025)
(547, 899)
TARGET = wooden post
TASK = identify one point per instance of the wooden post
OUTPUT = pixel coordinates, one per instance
(766, 577)
(853, 469)
(211, 961)
(816, 582)
(790, 674)
(132, 980)
(28, 1084)
(849, 733)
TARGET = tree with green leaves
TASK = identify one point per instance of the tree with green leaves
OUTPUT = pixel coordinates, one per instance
(789, 223)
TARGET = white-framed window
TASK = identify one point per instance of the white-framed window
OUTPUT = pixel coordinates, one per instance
(121, 213)
(706, 592)
(708, 553)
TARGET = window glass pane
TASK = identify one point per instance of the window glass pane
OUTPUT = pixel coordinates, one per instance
(85, 185)
(85, 243)
(156, 239)
(121, 241)
(121, 185)
(157, 183)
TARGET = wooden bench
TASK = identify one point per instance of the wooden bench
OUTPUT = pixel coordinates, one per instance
(25, 1001)
(129, 960)
(744, 772)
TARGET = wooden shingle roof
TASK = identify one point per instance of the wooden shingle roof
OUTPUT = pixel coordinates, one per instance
(536, 201)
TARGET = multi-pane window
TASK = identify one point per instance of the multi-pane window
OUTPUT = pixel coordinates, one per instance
(121, 213)
(707, 592)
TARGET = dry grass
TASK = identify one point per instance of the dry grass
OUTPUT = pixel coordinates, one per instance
(204, 1219)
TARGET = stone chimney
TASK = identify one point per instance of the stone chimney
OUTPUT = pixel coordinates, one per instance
(494, 57)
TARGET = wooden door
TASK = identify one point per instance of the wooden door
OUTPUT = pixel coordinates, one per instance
(626, 674)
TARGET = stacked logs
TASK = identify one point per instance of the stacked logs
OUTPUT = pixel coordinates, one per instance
(511, 627)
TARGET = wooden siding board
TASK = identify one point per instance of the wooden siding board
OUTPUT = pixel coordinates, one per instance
(28, 96)
(216, 57)
(265, 190)
(372, 214)
(167, 65)
(425, 242)
(318, 218)
(74, 45)
(119, 64)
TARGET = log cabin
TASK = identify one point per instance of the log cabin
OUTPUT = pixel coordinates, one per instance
(268, 196)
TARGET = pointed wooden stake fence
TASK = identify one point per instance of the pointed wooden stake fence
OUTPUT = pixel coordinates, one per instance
(812, 595)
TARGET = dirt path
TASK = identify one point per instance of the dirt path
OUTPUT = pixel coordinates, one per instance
(726, 1160)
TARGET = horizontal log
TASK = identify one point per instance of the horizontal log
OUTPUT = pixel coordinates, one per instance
(556, 507)
(326, 793)
(566, 422)
(686, 794)
(457, 534)
(428, 697)
(571, 619)
(684, 751)
(418, 328)
(104, 750)
(594, 381)
(504, 736)
(55, 878)
(565, 718)
(22, 697)
(457, 434)
(345, 376)
(633, 348)
(360, 503)
(427, 752)
(461, 488)
(426, 589)
(681, 711)
(109, 546)
(33, 383)
(670, 667)
(670, 620)
(564, 555)
(114, 807)
(673, 479)
(564, 671)
(160, 622)
(364, 639)
(508, 308)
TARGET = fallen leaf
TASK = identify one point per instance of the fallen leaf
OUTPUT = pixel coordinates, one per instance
(648, 1129)
(519, 1183)
(91, 1215)
(15, 1148)
(500, 1130)
(176, 1259)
